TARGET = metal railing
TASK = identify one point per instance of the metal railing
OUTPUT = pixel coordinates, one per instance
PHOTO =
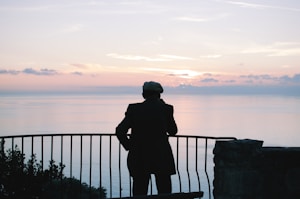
(100, 161)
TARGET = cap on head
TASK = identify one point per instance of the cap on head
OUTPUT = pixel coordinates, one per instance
(153, 86)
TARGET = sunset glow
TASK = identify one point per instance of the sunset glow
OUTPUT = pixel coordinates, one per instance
(52, 45)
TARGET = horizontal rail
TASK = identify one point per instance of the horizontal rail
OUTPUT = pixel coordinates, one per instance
(99, 160)
(109, 134)
(169, 196)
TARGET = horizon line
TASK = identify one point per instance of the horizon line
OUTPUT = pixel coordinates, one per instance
(293, 90)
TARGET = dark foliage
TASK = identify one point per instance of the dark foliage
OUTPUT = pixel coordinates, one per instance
(29, 180)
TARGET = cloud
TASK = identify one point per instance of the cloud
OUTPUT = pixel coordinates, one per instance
(179, 75)
(184, 73)
(193, 19)
(130, 7)
(45, 71)
(277, 49)
(230, 81)
(209, 80)
(135, 57)
(175, 57)
(77, 73)
(287, 79)
(159, 58)
(11, 72)
(259, 77)
(260, 6)
(246, 5)
(27, 8)
(94, 7)
(31, 71)
(295, 79)
(200, 19)
(211, 56)
(44, 6)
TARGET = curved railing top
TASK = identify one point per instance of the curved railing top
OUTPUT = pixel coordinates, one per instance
(112, 134)
(101, 156)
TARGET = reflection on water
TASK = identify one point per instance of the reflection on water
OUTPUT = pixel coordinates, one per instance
(273, 119)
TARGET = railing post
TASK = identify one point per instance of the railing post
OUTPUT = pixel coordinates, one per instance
(205, 169)
(196, 166)
(32, 146)
(42, 152)
(80, 178)
(110, 168)
(177, 163)
(61, 153)
(187, 163)
(71, 155)
(120, 175)
(51, 147)
(100, 163)
(12, 144)
(90, 177)
(22, 151)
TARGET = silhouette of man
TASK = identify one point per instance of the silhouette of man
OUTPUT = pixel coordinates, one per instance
(149, 149)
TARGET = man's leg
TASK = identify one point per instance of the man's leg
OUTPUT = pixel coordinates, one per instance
(140, 184)
(163, 183)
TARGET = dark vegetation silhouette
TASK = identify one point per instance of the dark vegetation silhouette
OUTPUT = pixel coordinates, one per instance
(30, 180)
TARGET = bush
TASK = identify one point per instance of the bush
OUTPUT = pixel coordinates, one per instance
(29, 180)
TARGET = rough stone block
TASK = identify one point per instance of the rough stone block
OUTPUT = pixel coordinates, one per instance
(239, 182)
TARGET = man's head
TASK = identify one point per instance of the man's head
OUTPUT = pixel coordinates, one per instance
(152, 89)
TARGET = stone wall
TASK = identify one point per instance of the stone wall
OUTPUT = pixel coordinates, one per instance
(244, 169)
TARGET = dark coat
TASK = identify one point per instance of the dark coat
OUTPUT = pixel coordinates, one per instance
(149, 149)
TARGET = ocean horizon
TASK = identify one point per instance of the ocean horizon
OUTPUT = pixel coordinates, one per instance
(271, 118)
(276, 90)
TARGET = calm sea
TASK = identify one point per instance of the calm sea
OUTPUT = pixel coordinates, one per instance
(273, 119)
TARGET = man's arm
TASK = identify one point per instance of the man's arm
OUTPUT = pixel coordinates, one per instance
(122, 129)
(172, 127)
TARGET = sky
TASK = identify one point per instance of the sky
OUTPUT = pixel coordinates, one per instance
(77, 44)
